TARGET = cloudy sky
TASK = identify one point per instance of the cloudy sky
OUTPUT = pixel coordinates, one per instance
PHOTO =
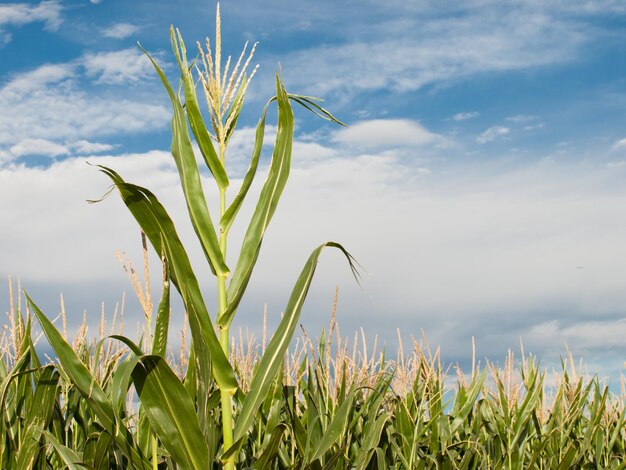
(481, 183)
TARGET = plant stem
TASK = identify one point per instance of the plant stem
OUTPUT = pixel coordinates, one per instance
(222, 301)
(155, 460)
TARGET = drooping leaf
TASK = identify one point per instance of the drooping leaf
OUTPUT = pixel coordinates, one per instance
(160, 230)
(273, 357)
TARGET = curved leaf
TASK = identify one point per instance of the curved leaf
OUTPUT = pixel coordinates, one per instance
(171, 412)
(88, 387)
(78, 373)
(270, 195)
(159, 228)
(274, 354)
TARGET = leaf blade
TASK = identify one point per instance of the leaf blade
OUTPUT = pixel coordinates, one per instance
(190, 181)
(194, 115)
(170, 412)
(272, 359)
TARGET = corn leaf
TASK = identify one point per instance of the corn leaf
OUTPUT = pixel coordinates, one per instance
(38, 416)
(273, 357)
(171, 412)
(266, 206)
(229, 216)
(190, 181)
(159, 343)
(76, 370)
(336, 428)
(194, 115)
(69, 457)
(159, 228)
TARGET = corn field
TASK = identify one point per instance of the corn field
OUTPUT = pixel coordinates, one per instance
(218, 402)
(331, 405)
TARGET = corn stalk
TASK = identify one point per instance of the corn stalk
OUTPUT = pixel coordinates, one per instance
(177, 412)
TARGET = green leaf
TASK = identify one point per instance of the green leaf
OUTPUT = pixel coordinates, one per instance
(194, 115)
(229, 216)
(171, 412)
(271, 449)
(273, 357)
(159, 344)
(266, 206)
(336, 428)
(191, 182)
(88, 387)
(38, 416)
(70, 458)
(159, 228)
(120, 382)
(76, 371)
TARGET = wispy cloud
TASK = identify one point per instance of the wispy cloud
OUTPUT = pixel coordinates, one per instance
(19, 14)
(120, 30)
(491, 134)
(51, 106)
(451, 46)
(619, 145)
(86, 147)
(521, 118)
(464, 116)
(127, 65)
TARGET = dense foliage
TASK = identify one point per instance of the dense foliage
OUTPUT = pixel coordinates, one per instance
(330, 406)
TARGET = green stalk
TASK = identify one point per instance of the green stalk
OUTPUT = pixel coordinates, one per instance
(226, 398)
(155, 459)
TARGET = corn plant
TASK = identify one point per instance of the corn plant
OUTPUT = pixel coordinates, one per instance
(179, 412)
(331, 405)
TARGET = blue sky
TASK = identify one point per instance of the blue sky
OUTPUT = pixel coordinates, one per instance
(480, 183)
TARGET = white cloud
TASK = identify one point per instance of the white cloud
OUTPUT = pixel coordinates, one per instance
(619, 145)
(34, 81)
(120, 30)
(386, 133)
(18, 14)
(38, 147)
(465, 116)
(85, 147)
(49, 103)
(492, 134)
(445, 250)
(440, 49)
(127, 65)
(587, 335)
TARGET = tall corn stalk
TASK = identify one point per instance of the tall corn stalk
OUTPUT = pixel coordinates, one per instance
(177, 412)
